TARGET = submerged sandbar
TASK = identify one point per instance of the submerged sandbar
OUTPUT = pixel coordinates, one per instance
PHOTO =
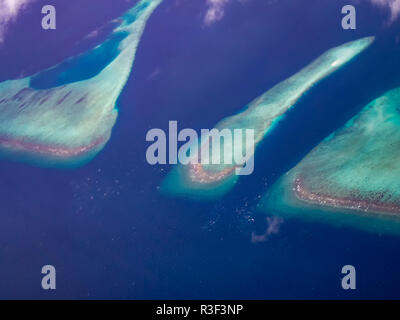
(63, 116)
(261, 115)
(355, 170)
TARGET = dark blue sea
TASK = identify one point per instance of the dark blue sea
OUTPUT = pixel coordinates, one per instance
(106, 227)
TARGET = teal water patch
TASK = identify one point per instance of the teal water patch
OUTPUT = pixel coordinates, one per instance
(81, 67)
(179, 184)
(261, 116)
(351, 177)
(64, 116)
(281, 201)
(132, 14)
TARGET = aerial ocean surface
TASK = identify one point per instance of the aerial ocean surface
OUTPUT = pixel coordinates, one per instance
(106, 226)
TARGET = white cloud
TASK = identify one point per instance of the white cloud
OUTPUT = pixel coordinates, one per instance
(392, 5)
(274, 224)
(9, 10)
(215, 11)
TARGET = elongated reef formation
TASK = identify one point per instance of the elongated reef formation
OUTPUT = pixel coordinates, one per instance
(355, 170)
(64, 115)
(261, 115)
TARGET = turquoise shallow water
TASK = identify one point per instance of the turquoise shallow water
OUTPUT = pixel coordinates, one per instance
(70, 121)
(261, 116)
(360, 185)
(106, 227)
(81, 67)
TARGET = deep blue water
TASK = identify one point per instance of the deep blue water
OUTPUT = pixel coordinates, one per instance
(105, 226)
